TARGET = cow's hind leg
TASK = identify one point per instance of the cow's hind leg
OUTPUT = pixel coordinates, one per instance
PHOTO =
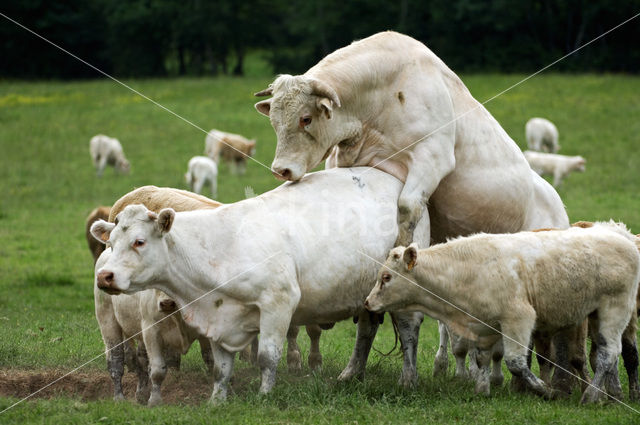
(294, 359)
(315, 357)
(367, 328)
(441, 362)
(222, 370)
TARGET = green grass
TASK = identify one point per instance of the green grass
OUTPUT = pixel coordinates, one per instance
(48, 186)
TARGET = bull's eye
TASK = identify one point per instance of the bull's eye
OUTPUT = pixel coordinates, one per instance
(305, 121)
(386, 277)
(139, 243)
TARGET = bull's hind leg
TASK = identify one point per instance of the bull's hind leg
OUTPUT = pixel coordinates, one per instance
(315, 357)
(367, 328)
(408, 333)
(441, 362)
(294, 359)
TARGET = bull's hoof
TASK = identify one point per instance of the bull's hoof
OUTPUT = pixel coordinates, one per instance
(350, 374)
(440, 366)
(634, 395)
(592, 395)
(315, 361)
(408, 381)
(154, 401)
(294, 362)
(483, 388)
(119, 397)
(463, 375)
(518, 385)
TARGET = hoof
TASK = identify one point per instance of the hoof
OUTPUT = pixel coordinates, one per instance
(634, 395)
(154, 401)
(497, 381)
(592, 395)
(119, 397)
(294, 362)
(440, 367)
(348, 375)
(518, 385)
(408, 382)
(315, 361)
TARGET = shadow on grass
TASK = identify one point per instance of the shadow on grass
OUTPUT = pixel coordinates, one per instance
(43, 279)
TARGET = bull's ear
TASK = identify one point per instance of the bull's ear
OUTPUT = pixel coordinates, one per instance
(101, 230)
(410, 256)
(264, 106)
(165, 220)
(325, 105)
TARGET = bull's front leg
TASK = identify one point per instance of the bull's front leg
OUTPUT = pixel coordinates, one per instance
(222, 370)
(431, 161)
(367, 328)
(408, 332)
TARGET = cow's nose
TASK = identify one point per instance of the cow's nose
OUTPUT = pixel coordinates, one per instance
(167, 305)
(282, 173)
(366, 303)
(105, 279)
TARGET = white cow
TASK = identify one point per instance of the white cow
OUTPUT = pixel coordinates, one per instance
(202, 169)
(107, 151)
(389, 102)
(541, 135)
(162, 337)
(297, 255)
(559, 166)
(513, 283)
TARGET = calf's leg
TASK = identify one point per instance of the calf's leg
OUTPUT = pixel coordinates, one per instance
(441, 362)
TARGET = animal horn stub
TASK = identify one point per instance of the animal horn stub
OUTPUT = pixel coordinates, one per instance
(320, 88)
(266, 92)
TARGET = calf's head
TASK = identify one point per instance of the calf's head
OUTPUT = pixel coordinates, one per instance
(391, 290)
(139, 253)
(302, 112)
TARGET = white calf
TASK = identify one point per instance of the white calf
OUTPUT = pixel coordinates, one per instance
(107, 151)
(201, 170)
(559, 166)
(542, 135)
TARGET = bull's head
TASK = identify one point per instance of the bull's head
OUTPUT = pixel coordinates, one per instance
(138, 252)
(305, 114)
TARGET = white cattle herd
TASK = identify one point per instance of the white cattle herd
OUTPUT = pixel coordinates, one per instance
(427, 206)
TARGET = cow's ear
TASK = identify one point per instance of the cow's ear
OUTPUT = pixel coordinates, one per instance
(325, 105)
(264, 106)
(165, 220)
(101, 230)
(410, 256)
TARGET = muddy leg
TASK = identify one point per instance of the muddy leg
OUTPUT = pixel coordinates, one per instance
(294, 359)
(222, 370)
(367, 329)
(143, 390)
(408, 333)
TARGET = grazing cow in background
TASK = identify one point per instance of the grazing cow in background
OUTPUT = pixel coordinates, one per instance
(389, 102)
(202, 169)
(233, 148)
(96, 248)
(541, 135)
(517, 282)
(107, 151)
(297, 255)
(559, 166)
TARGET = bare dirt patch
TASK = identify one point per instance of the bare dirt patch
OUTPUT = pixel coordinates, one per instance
(178, 387)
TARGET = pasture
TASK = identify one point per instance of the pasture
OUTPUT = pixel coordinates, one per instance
(48, 186)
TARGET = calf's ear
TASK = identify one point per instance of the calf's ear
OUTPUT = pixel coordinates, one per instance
(264, 106)
(165, 220)
(410, 256)
(101, 230)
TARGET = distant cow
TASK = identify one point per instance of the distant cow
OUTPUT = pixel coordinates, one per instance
(517, 282)
(96, 248)
(559, 166)
(107, 151)
(202, 169)
(541, 135)
(233, 148)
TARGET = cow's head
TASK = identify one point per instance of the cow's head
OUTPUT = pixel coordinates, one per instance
(390, 291)
(305, 114)
(139, 253)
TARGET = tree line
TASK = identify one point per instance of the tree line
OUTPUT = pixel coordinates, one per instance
(139, 38)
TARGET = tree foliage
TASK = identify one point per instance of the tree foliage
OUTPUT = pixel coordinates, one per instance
(196, 37)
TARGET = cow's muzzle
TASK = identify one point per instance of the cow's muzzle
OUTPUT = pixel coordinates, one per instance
(105, 282)
(167, 305)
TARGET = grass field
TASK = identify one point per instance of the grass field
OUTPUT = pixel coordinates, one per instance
(48, 186)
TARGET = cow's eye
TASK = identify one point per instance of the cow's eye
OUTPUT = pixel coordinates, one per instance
(139, 243)
(305, 120)
(386, 277)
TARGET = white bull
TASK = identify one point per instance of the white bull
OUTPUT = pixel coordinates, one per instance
(297, 255)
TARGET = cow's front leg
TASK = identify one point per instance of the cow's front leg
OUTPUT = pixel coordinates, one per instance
(367, 328)
(222, 370)
(408, 332)
(273, 329)
(441, 362)
(431, 160)
(157, 364)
